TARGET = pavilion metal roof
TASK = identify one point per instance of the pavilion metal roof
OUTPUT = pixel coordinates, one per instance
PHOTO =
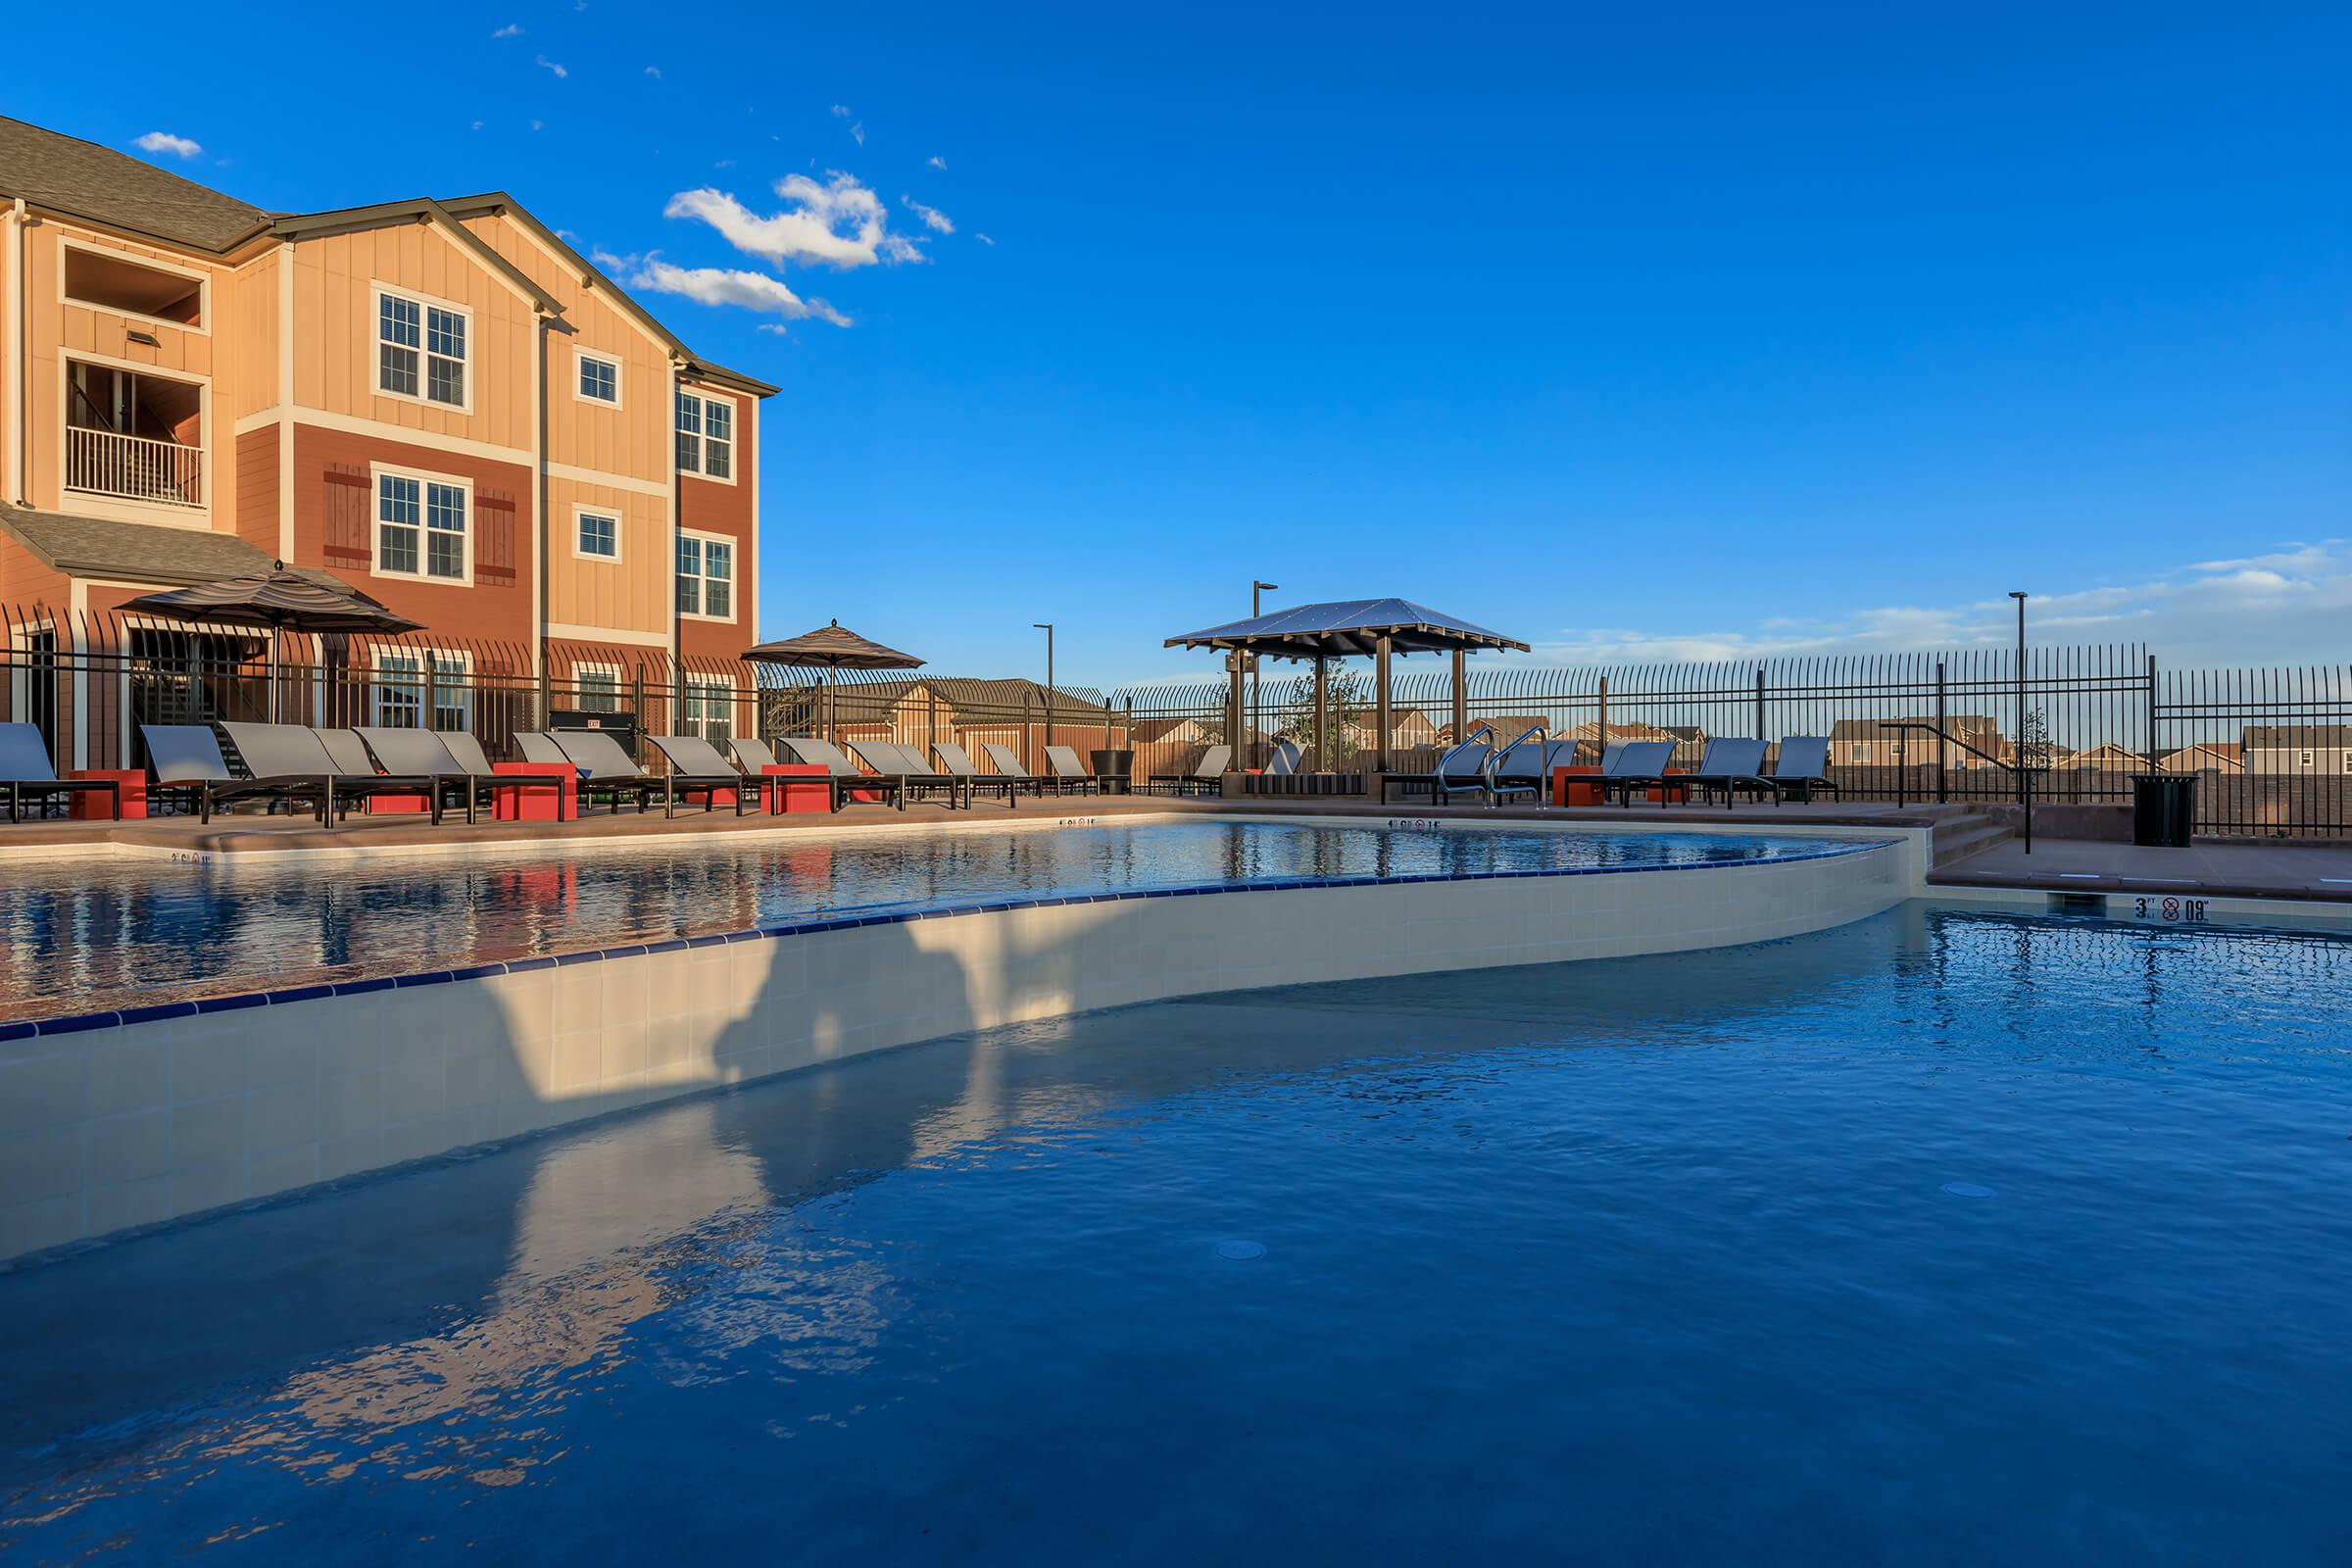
(1348, 628)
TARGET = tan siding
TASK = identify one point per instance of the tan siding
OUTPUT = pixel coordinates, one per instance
(631, 595)
(246, 302)
(334, 332)
(255, 510)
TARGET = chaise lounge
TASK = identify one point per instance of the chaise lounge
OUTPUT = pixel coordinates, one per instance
(1208, 773)
(25, 771)
(843, 775)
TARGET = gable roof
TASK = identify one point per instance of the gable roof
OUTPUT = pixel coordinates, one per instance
(137, 552)
(70, 175)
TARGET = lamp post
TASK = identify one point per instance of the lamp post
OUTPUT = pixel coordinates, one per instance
(1046, 627)
(1257, 714)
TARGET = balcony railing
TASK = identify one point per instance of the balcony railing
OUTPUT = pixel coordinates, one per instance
(133, 467)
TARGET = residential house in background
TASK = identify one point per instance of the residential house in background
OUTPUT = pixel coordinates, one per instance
(437, 402)
(2104, 757)
(1013, 713)
(1876, 743)
(2306, 749)
(2207, 757)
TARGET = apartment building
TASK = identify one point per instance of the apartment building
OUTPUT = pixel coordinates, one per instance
(437, 402)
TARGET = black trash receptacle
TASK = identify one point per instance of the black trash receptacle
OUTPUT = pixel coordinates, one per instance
(1115, 769)
(2163, 809)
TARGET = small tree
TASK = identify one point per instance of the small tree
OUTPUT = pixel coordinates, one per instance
(1346, 695)
(2034, 741)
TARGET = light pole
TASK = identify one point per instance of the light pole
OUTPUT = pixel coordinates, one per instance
(1257, 718)
(1046, 627)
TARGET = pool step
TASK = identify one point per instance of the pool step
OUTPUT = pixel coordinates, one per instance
(1966, 833)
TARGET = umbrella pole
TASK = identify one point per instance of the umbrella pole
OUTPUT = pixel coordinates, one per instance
(833, 705)
(273, 674)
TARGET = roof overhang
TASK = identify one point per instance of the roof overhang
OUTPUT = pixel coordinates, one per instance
(1348, 628)
(419, 209)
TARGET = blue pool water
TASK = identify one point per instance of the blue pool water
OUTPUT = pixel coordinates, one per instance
(129, 932)
(1941, 1238)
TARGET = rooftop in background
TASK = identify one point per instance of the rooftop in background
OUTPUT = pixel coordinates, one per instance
(1348, 628)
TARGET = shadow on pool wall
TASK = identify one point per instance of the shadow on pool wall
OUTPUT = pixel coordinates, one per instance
(127, 1125)
(388, 1303)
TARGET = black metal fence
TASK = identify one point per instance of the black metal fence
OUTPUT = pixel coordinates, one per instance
(2272, 749)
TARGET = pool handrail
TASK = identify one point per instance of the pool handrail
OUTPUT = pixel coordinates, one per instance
(24, 767)
(1490, 771)
(1437, 780)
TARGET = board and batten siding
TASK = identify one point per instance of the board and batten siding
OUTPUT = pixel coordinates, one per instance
(633, 594)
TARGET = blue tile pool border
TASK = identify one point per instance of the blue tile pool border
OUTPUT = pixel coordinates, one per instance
(75, 1023)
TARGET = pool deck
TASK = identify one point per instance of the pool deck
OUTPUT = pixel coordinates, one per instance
(2300, 870)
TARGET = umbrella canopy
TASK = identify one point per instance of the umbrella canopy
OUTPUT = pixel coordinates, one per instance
(832, 646)
(1348, 628)
(277, 599)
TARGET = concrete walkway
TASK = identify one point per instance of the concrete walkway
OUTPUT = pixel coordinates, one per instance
(2291, 868)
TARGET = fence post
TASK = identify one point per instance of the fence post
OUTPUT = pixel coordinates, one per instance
(1760, 735)
(1605, 717)
(1943, 745)
(2155, 743)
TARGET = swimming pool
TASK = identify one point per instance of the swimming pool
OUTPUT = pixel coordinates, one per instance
(1939, 1237)
(128, 932)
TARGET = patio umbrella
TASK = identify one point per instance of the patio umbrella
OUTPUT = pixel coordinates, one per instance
(277, 600)
(833, 649)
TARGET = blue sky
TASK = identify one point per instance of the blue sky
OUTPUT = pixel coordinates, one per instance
(1629, 331)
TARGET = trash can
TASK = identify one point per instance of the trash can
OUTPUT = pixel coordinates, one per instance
(2163, 809)
(1115, 769)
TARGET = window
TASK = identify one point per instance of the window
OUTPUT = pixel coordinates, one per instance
(420, 349)
(598, 688)
(706, 576)
(707, 436)
(600, 379)
(709, 708)
(2348, 761)
(408, 693)
(419, 527)
(600, 535)
(112, 281)
(2304, 758)
(1861, 751)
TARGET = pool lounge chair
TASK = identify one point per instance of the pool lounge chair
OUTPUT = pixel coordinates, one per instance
(1525, 765)
(1069, 776)
(696, 768)
(959, 761)
(541, 746)
(752, 754)
(914, 775)
(1285, 760)
(1208, 773)
(1009, 766)
(607, 766)
(1461, 768)
(1802, 768)
(292, 751)
(187, 758)
(1730, 767)
(844, 776)
(457, 759)
(27, 771)
(1629, 765)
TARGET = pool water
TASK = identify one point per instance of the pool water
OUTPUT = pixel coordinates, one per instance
(1940, 1238)
(123, 932)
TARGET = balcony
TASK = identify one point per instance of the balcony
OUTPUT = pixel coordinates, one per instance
(134, 467)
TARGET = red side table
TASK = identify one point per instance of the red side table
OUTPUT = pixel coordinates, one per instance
(397, 804)
(798, 787)
(1671, 794)
(1584, 790)
(92, 805)
(533, 802)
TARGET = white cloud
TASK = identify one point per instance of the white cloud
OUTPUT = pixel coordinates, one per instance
(777, 327)
(610, 263)
(937, 162)
(837, 224)
(714, 285)
(857, 133)
(653, 72)
(841, 110)
(512, 30)
(2288, 605)
(933, 219)
(982, 238)
(545, 63)
(477, 124)
(162, 141)
(725, 162)
(538, 124)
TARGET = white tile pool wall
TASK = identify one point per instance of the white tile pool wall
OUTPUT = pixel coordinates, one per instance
(127, 1125)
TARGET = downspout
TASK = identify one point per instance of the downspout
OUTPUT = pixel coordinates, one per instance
(542, 531)
(20, 313)
(669, 593)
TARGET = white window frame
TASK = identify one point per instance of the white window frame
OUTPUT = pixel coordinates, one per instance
(579, 360)
(584, 511)
(423, 682)
(579, 694)
(697, 690)
(2306, 760)
(701, 468)
(734, 578)
(204, 282)
(377, 474)
(378, 291)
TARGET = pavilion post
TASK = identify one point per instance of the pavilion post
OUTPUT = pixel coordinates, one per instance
(1380, 698)
(1234, 662)
(1322, 715)
(1461, 698)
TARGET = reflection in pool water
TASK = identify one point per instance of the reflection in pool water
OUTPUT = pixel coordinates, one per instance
(123, 932)
(1642, 1260)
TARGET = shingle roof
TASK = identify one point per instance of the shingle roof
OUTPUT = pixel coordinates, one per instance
(68, 175)
(2275, 737)
(137, 552)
